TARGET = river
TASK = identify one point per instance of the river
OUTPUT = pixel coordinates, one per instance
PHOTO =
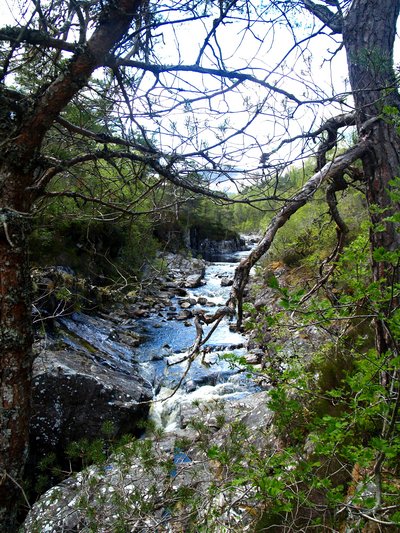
(165, 341)
(96, 375)
(209, 378)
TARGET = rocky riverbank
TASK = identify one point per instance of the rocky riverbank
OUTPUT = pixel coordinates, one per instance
(186, 472)
(86, 371)
(171, 482)
(94, 369)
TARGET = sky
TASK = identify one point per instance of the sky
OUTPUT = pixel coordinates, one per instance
(304, 72)
(258, 49)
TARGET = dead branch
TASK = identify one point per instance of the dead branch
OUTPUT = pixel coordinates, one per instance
(101, 137)
(338, 184)
(334, 21)
(330, 170)
(331, 126)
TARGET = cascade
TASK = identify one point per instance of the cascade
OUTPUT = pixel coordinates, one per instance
(207, 379)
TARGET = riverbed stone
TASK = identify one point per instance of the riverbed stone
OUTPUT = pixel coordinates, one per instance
(138, 312)
(214, 249)
(192, 281)
(74, 393)
(186, 272)
(254, 357)
(226, 282)
(184, 315)
(119, 488)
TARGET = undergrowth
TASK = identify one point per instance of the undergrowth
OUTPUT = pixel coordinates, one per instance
(328, 460)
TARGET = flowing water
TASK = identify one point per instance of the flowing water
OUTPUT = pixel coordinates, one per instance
(213, 378)
(160, 358)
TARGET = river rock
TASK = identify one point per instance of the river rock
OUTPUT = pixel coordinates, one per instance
(268, 298)
(212, 249)
(226, 282)
(173, 288)
(74, 394)
(184, 315)
(192, 281)
(138, 312)
(60, 511)
(130, 491)
(254, 357)
(185, 272)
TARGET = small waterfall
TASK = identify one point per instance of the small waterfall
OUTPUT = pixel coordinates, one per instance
(165, 338)
(216, 379)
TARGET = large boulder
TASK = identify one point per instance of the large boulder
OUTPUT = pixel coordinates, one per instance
(211, 249)
(226, 282)
(192, 281)
(159, 486)
(212, 243)
(75, 392)
(185, 272)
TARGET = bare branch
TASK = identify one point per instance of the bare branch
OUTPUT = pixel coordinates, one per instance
(123, 209)
(35, 37)
(338, 184)
(333, 124)
(220, 73)
(167, 171)
(330, 170)
(102, 137)
(334, 21)
(112, 27)
(331, 127)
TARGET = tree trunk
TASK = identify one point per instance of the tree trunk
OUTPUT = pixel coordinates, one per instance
(15, 361)
(369, 31)
(20, 165)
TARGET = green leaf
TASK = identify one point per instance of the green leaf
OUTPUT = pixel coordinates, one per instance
(396, 518)
(394, 218)
(273, 282)
(213, 452)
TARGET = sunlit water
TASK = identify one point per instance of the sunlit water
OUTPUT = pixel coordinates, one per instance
(215, 378)
(160, 358)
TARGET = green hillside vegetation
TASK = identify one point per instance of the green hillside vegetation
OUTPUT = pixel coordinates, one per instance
(310, 234)
(96, 240)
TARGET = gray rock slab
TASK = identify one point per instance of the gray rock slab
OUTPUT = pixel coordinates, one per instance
(75, 393)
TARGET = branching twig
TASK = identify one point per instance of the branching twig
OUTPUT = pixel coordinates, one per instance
(330, 170)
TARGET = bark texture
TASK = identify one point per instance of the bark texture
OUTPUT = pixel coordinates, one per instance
(15, 360)
(369, 31)
(21, 168)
